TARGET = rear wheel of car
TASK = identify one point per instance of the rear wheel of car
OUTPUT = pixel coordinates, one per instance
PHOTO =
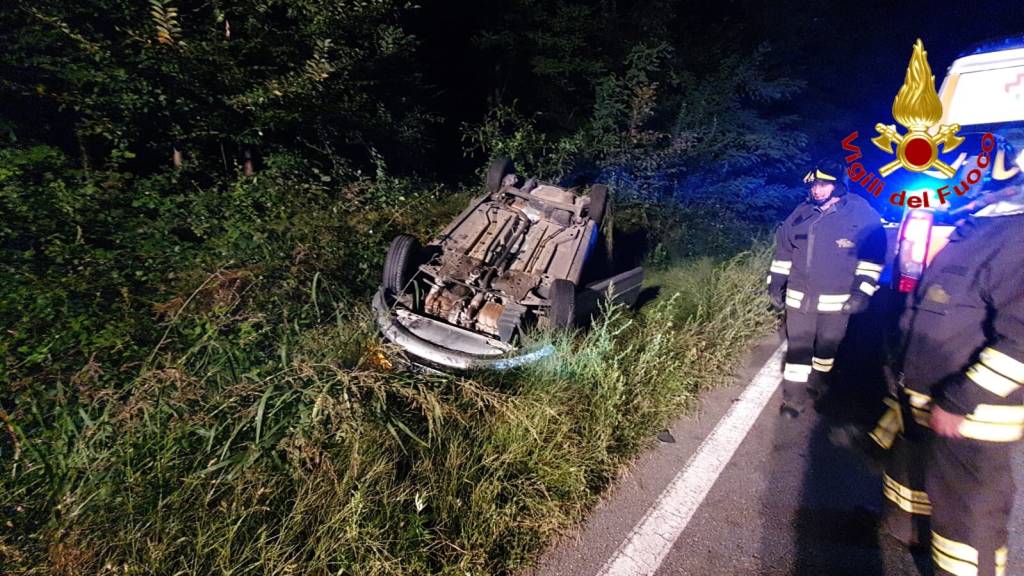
(563, 303)
(496, 172)
(598, 203)
(400, 264)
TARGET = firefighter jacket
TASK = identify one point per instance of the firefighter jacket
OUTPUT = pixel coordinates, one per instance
(964, 331)
(821, 258)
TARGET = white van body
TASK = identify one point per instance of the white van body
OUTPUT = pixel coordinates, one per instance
(984, 88)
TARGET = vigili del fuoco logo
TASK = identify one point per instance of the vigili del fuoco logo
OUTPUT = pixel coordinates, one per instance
(918, 109)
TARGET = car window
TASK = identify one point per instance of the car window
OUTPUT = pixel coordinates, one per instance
(988, 96)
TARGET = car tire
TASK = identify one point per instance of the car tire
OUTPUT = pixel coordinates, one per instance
(562, 295)
(496, 172)
(400, 264)
(598, 203)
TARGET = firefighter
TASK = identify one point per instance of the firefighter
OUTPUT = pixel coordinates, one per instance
(828, 257)
(960, 406)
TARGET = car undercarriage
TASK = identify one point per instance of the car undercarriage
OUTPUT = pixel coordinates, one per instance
(514, 259)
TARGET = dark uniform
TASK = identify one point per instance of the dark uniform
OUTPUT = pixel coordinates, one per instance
(824, 262)
(963, 351)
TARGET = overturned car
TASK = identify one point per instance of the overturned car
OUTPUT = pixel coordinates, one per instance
(524, 254)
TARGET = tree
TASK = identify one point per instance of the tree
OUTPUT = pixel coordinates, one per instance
(139, 81)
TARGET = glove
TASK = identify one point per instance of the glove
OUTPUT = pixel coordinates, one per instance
(776, 291)
(857, 303)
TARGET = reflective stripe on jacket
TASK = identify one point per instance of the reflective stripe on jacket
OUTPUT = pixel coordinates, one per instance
(821, 258)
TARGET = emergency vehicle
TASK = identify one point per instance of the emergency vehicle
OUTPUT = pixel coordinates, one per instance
(983, 92)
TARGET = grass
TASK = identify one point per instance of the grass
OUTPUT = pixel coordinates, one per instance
(320, 459)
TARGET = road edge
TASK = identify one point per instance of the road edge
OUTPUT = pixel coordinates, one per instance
(589, 547)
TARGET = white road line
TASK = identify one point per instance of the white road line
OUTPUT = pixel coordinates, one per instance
(653, 537)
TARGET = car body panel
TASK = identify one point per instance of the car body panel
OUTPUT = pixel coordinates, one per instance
(488, 277)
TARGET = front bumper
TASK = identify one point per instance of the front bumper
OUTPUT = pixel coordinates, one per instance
(446, 345)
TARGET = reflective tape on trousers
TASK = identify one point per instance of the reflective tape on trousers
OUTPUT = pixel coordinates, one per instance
(907, 499)
(797, 372)
(954, 557)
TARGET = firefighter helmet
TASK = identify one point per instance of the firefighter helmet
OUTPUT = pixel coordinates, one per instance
(829, 171)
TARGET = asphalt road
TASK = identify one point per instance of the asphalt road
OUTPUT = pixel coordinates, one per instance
(787, 502)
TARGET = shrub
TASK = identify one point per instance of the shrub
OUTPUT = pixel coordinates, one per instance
(220, 458)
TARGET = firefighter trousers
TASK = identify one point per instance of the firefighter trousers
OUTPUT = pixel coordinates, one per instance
(954, 495)
(813, 339)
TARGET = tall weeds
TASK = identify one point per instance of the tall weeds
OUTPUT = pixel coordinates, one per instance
(324, 461)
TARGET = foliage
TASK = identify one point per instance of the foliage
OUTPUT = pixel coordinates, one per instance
(195, 200)
(93, 266)
(132, 82)
(506, 133)
(667, 135)
(318, 459)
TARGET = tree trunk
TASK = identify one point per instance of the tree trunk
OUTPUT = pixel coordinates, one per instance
(83, 153)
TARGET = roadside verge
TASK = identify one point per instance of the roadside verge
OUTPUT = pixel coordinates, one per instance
(617, 537)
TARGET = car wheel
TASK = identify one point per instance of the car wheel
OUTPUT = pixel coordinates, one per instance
(400, 264)
(598, 203)
(563, 303)
(496, 172)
